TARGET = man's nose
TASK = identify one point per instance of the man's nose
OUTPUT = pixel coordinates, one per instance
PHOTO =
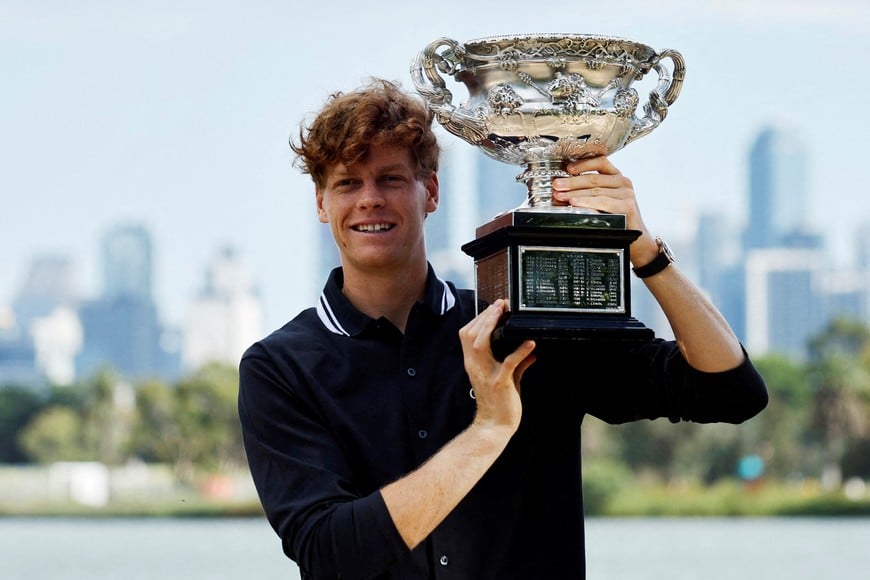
(370, 196)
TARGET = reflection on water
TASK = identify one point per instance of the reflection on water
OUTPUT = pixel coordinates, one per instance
(617, 549)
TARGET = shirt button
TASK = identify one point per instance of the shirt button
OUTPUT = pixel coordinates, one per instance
(422, 433)
(443, 561)
(412, 372)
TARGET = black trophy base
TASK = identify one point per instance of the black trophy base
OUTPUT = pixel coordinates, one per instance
(566, 332)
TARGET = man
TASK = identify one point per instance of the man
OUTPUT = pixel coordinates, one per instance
(384, 438)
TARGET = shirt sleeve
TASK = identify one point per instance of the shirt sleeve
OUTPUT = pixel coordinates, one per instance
(654, 380)
(305, 483)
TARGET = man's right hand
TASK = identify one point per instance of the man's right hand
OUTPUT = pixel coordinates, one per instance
(496, 383)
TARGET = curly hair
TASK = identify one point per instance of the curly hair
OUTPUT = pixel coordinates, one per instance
(379, 113)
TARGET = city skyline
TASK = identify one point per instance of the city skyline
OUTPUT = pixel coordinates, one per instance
(777, 290)
(177, 115)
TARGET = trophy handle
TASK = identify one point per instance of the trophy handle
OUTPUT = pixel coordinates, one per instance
(430, 84)
(666, 92)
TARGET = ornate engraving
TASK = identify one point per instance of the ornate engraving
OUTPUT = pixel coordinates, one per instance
(503, 99)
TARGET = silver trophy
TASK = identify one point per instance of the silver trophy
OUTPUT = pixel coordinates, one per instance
(539, 101)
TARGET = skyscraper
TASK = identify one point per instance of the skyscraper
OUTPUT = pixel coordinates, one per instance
(44, 336)
(778, 192)
(121, 328)
(49, 284)
(783, 306)
(127, 263)
(226, 317)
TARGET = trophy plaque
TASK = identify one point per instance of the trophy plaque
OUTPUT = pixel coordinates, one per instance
(540, 101)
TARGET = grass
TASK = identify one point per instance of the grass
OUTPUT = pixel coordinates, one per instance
(628, 497)
(731, 498)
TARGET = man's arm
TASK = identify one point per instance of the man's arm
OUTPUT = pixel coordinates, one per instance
(419, 501)
(706, 340)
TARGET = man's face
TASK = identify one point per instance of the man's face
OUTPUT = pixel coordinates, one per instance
(376, 209)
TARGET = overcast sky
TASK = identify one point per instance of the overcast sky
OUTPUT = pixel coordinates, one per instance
(176, 114)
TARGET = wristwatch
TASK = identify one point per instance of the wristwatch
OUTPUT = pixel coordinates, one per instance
(662, 260)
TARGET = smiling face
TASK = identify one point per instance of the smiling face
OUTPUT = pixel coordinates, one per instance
(376, 209)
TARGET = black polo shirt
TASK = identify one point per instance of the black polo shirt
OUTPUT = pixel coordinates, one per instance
(335, 405)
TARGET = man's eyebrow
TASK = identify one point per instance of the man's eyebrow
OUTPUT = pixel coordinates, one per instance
(393, 167)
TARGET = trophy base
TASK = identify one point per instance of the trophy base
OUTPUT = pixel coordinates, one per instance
(565, 276)
(558, 332)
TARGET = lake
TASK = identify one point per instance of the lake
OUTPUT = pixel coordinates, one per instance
(617, 549)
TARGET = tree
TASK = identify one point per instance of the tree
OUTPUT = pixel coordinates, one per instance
(207, 420)
(779, 432)
(17, 407)
(839, 371)
(107, 415)
(156, 435)
(55, 434)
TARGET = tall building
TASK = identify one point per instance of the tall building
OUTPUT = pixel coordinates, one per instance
(121, 328)
(49, 284)
(778, 193)
(128, 263)
(719, 258)
(226, 317)
(784, 305)
(43, 335)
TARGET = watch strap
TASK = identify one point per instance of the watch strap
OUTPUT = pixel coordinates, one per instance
(662, 260)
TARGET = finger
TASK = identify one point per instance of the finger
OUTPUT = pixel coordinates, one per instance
(472, 326)
(488, 322)
(600, 164)
(607, 183)
(518, 358)
(476, 332)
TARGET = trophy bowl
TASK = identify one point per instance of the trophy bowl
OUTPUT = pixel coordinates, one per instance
(540, 100)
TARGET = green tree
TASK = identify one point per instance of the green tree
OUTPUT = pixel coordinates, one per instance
(55, 434)
(839, 373)
(17, 407)
(107, 411)
(779, 433)
(156, 435)
(207, 420)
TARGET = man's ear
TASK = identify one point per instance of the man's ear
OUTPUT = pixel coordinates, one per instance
(321, 213)
(432, 193)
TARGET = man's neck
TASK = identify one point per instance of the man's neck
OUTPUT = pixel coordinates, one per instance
(389, 294)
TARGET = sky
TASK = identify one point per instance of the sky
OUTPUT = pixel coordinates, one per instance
(176, 114)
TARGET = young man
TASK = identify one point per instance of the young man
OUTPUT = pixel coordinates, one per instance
(384, 438)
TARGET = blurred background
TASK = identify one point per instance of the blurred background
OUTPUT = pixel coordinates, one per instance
(152, 226)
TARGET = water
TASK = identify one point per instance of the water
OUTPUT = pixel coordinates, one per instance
(617, 549)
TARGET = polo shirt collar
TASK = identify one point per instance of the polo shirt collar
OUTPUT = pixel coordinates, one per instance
(339, 316)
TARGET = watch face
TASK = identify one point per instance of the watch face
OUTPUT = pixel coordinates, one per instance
(666, 250)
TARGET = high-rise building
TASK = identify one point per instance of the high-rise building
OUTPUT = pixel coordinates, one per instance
(49, 284)
(778, 192)
(786, 270)
(784, 305)
(121, 328)
(127, 263)
(226, 317)
(43, 335)
(719, 259)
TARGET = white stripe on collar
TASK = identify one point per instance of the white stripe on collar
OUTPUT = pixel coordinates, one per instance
(447, 299)
(328, 318)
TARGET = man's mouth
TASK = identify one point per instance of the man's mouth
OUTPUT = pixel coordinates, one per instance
(373, 227)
